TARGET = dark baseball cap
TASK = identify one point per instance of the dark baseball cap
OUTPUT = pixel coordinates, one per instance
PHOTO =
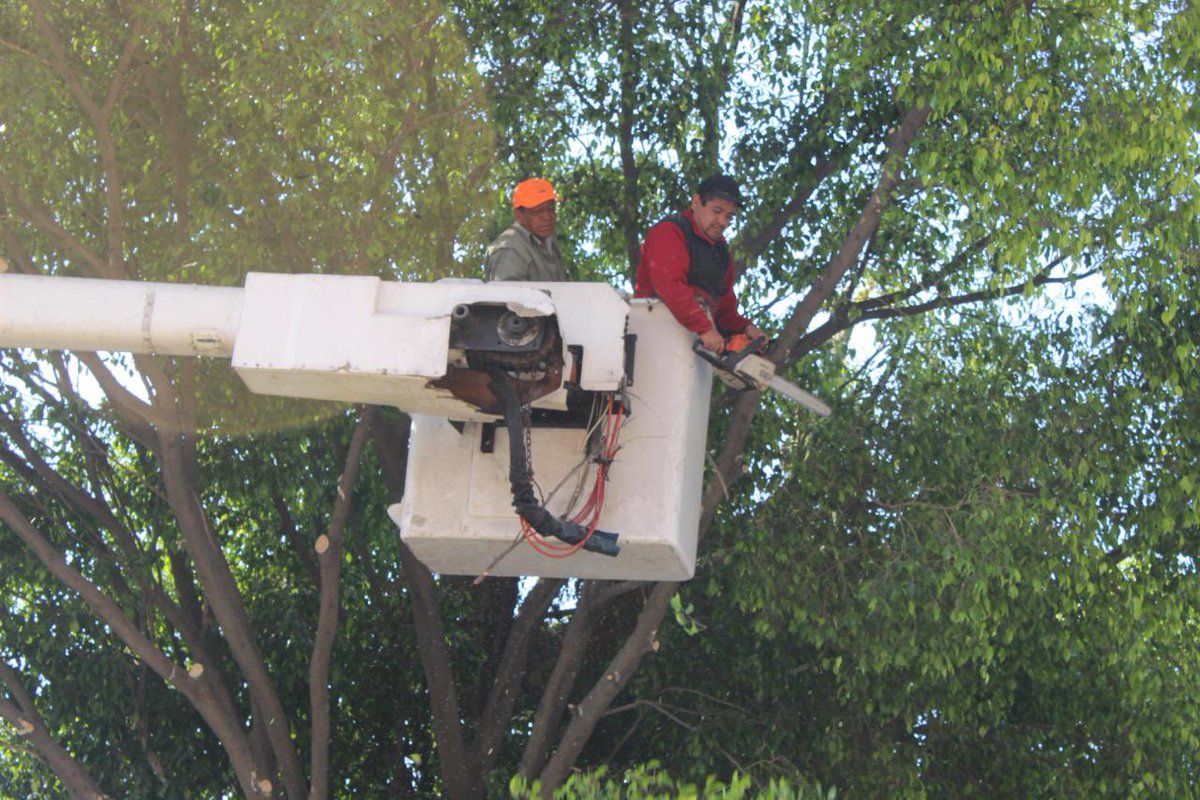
(720, 186)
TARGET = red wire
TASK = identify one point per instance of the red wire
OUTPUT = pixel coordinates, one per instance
(595, 503)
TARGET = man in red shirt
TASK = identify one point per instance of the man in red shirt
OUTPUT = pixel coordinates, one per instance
(686, 263)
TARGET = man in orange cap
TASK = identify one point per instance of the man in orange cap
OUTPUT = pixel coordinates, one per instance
(526, 251)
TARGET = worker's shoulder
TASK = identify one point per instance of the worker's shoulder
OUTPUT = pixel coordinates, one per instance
(511, 238)
(673, 220)
(669, 228)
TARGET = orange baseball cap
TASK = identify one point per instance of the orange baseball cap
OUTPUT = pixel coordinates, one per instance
(533, 192)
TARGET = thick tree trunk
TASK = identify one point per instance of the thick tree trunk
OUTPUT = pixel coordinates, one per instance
(497, 714)
(459, 772)
(558, 688)
(224, 597)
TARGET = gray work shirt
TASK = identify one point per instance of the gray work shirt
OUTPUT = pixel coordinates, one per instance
(517, 255)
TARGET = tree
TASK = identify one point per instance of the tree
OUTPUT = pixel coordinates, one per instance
(1014, 169)
(909, 590)
(193, 143)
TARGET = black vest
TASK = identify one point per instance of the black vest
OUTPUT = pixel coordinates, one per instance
(707, 262)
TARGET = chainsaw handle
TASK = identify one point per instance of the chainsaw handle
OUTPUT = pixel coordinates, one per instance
(707, 355)
(726, 365)
(736, 348)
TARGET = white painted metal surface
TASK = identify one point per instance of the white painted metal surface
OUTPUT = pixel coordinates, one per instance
(109, 316)
(360, 339)
(363, 340)
(461, 526)
(352, 339)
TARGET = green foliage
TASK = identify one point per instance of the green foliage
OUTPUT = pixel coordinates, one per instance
(958, 584)
(347, 138)
(286, 137)
(976, 579)
(650, 780)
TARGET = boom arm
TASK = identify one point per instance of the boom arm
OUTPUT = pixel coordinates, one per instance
(344, 338)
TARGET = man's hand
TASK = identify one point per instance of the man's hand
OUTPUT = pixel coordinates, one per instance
(711, 340)
(752, 332)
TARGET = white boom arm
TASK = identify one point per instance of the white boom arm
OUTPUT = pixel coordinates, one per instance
(345, 338)
(86, 314)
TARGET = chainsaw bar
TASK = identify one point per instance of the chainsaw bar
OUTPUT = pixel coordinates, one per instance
(794, 392)
(743, 370)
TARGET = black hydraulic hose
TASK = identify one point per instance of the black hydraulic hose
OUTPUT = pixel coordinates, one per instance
(521, 478)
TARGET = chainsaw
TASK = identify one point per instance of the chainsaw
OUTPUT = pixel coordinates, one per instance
(743, 367)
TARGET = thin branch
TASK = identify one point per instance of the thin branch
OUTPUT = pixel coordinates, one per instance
(23, 715)
(329, 548)
(497, 714)
(303, 549)
(61, 62)
(70, 493)
(130, 51)
(847, 317)
(32, 56)
(654, 705)
(101, 118)
(932, 279)
(753, 246)
(627, 203)
(17, 254)
(33, 467)
(40, 218)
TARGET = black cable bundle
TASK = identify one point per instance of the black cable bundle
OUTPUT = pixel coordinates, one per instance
(521, 478)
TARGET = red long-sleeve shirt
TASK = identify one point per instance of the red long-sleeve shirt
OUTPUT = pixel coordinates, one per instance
(663, 273)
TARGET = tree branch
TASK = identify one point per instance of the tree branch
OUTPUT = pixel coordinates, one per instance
(606, 594)
(195, 689)
(627, 204)
(753, 246)
(460, 778)
(846, 318)
(225, 598)
(589, 712)
(616, 675)
(139, 416)
(69, 493)
(101, 118)
(330, 556)
(497, 713)
(22, 714)
(557, 690)
(41, 219)
(186, 617)
(868, 222)
(303, 550)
